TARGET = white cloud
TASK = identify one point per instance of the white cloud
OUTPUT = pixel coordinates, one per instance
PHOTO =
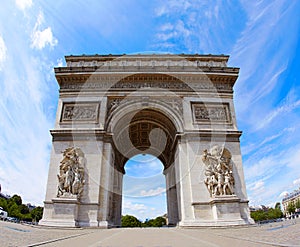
(134, 206)
(172, 6)
(262, 169)
(27, 110)
(42, 38)
(296, 181)
(272, 174)
(3, 51)
(258, 186)
(270, 55)
(150, 209)
(144, 166)
(153, 192)
(283, 194)
(23, 4)
(59, 62)
(278, 112)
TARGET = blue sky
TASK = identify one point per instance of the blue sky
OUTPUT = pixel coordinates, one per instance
(261, 37)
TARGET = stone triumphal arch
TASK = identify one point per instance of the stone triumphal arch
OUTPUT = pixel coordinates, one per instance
(178, 108)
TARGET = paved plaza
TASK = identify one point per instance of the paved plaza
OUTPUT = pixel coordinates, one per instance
(286, 233)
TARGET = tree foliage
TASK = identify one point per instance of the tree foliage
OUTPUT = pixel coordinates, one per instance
(3, 204)
(37, 213)
(291, 207)
(17, 199)
(267, 213)
(14, 207)
(130, 221)
(157, 222)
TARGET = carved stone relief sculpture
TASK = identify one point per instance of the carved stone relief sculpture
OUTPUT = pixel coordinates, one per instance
(209, 112)
(80, 112)
(71, 173)
(219, 175)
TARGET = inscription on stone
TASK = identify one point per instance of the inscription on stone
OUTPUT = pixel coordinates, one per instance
(80, 112)
(211, 112)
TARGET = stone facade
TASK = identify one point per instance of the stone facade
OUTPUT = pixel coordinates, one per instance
(291, 198)
(178, 108)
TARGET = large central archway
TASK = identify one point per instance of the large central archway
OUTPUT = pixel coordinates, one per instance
(144, 131)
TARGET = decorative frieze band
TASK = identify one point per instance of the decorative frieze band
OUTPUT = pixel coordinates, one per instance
(114, 102)
(211, 113)
(127, 84)
(81, 112)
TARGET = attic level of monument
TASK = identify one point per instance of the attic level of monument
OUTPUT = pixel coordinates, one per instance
(116, 63)
(131, 72)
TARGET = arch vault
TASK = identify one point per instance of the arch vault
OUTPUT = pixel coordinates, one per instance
(178, 108)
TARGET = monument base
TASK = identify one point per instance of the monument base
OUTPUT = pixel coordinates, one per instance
(61, 212)
(226, 208)
(220, 211)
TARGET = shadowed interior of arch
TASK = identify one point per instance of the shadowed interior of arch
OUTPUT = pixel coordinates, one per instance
(144, 187)
(147, 139)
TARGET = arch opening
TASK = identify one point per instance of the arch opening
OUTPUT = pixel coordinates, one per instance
(144, 187)
(147, 131)
(144, 134)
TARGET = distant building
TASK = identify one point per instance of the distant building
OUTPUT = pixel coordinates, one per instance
(2, 195)
(290, 198)
(30, 207)
(257, 208)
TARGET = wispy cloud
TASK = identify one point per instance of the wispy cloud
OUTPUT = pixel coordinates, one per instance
(23, 4)
(279, 112)
(134, 206)
(296, 181)
(272, 173)
(144, 166)
(263, 43)
(143, 209)
(153, 192)
(2, 52)
(42, 38)
(26, 112)
(197, 26)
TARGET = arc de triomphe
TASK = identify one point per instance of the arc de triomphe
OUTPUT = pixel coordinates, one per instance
(178, 108)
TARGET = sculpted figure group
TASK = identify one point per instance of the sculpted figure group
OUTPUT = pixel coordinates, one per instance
(219, 175)
(71, 173)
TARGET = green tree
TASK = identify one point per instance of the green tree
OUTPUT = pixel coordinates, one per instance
(157, 222)
(297, 204)
(259, 215)
(274, 213)
(278, 205)
(23, 209)
(37, 213)
(26, 217)
(130, 221)
(13, 210)
(3, 204)
(17, 199)
(291, 208)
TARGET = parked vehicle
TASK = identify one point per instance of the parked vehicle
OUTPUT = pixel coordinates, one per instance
(3, 214)
(13, 219)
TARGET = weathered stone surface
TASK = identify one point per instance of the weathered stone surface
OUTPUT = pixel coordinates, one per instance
(177, 108)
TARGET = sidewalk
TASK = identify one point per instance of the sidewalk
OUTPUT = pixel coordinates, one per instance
(285, 233)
